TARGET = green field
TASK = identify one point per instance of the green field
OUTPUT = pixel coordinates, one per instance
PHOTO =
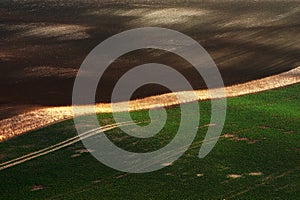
(257, 157)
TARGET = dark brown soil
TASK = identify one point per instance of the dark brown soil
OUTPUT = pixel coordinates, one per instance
(43, 43)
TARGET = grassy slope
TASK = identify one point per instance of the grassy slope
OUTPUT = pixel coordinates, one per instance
(269, 121)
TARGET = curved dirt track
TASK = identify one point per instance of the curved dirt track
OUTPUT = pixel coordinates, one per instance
(36, 119)
(57, 146)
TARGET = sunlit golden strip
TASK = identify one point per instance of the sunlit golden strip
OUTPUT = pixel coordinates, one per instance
(45, 116)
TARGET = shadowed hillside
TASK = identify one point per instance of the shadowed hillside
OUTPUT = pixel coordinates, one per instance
(43, 43)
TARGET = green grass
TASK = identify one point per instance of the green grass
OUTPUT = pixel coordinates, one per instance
(268, 122)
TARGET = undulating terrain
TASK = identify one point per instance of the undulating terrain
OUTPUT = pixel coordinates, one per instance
(43, 43)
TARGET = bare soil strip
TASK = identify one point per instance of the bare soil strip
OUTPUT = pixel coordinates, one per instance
(39, 118)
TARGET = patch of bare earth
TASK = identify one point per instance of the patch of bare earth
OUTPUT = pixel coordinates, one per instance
(37, 187)
(79, 152)
(234, 176)
(199, 175)
(237, 138)
(255, 174)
